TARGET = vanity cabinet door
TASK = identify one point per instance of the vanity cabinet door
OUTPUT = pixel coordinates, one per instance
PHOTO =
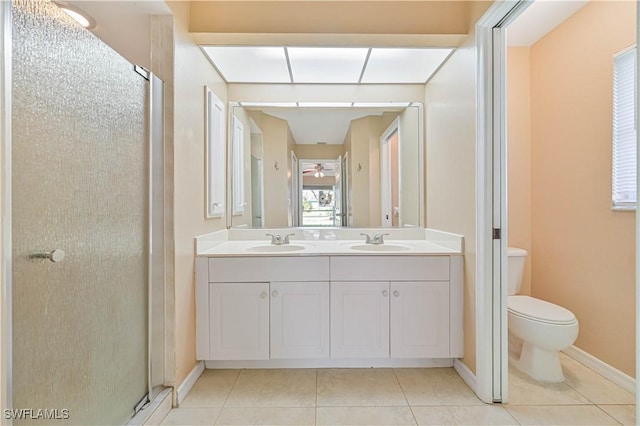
(360, 319)
(239, 321)
(299, 320)
(419, 319)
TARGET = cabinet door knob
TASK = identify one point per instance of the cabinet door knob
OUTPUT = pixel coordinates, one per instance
(274, 293)
(385, 293)
(396, 293)
(263, 295)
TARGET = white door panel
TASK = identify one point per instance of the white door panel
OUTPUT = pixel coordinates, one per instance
(299, 320)
(360, 319)
(420, 319)
(239, 316)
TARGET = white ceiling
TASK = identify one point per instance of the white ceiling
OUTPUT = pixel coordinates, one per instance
(124, 25)
(100, 9)
(539, 19)
(322, 124)
(349, 65)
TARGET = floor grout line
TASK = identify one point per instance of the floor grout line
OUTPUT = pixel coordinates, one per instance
(591, 370)
(405, 396)
(589, 400)
(508, 407)
(224, 404)
(614, 419)
(578, 392)
(509, 412)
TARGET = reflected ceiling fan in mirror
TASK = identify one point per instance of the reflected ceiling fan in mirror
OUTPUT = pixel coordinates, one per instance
(345, 162)
(318, 170)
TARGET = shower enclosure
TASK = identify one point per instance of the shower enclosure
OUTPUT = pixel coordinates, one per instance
(86, 276)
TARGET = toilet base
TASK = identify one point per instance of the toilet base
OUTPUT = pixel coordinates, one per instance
(540, 364)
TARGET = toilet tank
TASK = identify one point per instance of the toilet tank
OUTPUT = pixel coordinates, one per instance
(515, 259)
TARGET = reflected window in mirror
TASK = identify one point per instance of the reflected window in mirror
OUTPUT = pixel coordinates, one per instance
(321, 192)
(319, 206)
(368, 159)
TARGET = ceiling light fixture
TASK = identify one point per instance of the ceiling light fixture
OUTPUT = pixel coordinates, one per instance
(319, 171)
(78, 15)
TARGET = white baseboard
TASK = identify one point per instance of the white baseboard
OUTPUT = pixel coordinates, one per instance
(616, 376)
(187, 384)
(466, 375)
(154, 412)
(333, 363)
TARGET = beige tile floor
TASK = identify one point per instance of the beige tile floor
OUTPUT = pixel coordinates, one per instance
(406, 396)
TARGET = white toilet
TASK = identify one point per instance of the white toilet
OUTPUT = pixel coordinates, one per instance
(538, 330)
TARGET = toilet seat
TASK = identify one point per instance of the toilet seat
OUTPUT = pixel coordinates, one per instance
(539, 310)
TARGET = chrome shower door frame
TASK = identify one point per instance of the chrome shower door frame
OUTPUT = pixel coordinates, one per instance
(5, 206)
(155, 229)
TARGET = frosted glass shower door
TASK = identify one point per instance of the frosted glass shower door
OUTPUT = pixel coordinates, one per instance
(79, 184)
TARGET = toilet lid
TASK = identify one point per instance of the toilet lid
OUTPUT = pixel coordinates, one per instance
(539, 310)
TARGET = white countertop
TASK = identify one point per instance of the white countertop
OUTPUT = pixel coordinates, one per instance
(326, 248)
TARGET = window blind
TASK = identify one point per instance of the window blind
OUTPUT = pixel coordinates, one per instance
(624, 130)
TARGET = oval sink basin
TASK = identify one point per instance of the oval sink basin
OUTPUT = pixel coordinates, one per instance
(276, 249)
(379, 247)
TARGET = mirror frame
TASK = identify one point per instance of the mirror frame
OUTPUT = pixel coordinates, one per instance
(421, 154)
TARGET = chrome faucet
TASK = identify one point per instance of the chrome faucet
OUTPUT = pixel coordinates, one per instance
(277, 240)
(376, 240)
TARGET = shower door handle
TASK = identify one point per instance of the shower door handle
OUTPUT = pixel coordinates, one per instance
(55, 256)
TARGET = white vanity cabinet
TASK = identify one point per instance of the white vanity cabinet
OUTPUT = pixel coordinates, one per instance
(420, 319)
(379, 319)
(395, 306)
(258, 308)
(239, 321)
(299, 320)
(359, 319)
(329, 310)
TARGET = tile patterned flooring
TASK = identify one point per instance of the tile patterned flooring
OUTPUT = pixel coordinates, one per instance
(406, 396)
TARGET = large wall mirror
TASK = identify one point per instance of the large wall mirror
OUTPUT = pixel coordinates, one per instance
(326, 165)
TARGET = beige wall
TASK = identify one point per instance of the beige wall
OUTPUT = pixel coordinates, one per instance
(395, 178)
(335, 17)
(320, 152)
(373, 170)
(450, 111)
(409, 167)
(583, 252)
(519, 155)
(256, 145)
(117, 27)
(357, 217)
(363, 144)
(192, 72)
(291, 145)
(351, 171)
(275, 142)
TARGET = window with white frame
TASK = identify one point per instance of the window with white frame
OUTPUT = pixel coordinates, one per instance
(624, 194)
